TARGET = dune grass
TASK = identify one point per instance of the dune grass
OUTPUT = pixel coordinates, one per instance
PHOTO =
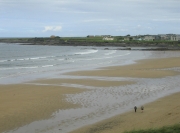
(165, 129)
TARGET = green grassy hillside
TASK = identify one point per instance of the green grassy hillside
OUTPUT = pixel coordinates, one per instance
(166, 129)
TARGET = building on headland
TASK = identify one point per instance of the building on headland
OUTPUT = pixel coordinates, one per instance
(170, 37)
(165, 37)
(175, 38)
(159, 37)
(126, 38)
(108, 38)
(137, 38)
(149, 37)
(99, 36)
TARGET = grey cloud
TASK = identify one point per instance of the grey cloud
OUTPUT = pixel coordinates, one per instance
(74, 15)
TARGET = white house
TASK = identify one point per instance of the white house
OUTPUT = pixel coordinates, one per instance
(175, 38)
(108, 38)
(149, 38)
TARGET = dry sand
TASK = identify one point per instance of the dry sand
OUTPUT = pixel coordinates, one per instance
(21, 104)
(148, 68)
(24, 103)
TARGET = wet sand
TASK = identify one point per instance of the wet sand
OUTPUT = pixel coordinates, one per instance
(163, 112)
(22, 104)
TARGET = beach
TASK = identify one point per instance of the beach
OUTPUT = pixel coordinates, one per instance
(163, 112)
(100, 100)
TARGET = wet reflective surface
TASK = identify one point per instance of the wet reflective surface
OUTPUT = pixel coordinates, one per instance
(103, 102)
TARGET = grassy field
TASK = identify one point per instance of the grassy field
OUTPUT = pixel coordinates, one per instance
(117, 40)
(169, 129)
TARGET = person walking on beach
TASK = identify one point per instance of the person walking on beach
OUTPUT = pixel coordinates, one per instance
(142, 108)
(135, 108)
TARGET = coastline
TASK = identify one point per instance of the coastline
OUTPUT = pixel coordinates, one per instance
(84, 41)
(41, 95)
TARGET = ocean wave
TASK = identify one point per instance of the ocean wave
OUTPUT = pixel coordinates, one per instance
(111, 52)
(48, 58)
(28, 58)
(48, 66)
(14, 68)
(3, 60)
(30, 67)
(86, 52)
(103, 57)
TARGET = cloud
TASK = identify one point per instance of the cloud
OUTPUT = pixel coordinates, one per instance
(81, 17)
(52, 28)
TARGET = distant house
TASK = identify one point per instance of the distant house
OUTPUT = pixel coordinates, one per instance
(137, 38)
(163, 36)
(128, 38)
(108, 38)
(157, 37)
(170, 37)
(166, 37)
(175, 38)
(149, 38)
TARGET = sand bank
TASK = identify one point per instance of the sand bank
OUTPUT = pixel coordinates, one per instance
(149, 68)
(24, 103)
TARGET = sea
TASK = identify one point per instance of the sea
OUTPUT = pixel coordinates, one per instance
(24, 63)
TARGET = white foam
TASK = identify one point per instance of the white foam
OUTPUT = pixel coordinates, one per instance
(87, 52)
(111, 52)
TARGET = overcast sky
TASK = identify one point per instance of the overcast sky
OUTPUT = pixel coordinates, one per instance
(43, 18)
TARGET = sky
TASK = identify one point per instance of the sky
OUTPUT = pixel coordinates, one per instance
(79, 18)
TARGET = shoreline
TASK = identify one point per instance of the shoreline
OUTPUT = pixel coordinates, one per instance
(117, 46)
(51, 88)
(126, 45)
